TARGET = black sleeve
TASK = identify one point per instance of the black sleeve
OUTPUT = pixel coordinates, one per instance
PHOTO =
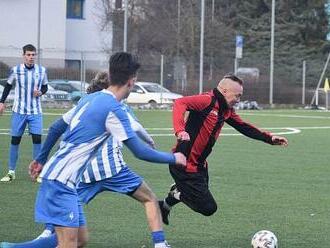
(5, 92)
(248, 129)
(44, 88)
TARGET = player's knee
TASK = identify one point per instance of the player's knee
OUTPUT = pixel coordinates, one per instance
(208, 209)
(151, 197)
(36, 138)
(83, 237)
(16, 140)
(82, 242)
(69, 239)
(148, 198)
(144, 194)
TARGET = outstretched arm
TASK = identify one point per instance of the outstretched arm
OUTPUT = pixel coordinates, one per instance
(144, 152)
(54, 133)
(140, 131)
(145, 136)
(252, 132)
(279, 140)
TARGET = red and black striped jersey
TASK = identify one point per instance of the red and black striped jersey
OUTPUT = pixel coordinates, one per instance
(207, 114)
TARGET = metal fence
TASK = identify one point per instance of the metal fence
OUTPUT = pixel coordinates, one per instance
(182, 76)
(291, 86)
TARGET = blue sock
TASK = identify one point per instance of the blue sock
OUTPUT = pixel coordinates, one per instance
(13, 155)
(50, 242)
(158, 237)
(36, 150)
(50, 227)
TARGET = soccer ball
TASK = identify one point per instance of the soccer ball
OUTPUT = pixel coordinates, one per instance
(264, 239)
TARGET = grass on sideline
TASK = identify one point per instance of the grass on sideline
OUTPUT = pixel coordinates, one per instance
(257, 186)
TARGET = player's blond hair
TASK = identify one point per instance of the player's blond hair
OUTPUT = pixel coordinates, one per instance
(99, 82)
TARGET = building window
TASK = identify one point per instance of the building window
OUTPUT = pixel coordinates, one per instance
(118, 4)
(72, 64)
(74, 9)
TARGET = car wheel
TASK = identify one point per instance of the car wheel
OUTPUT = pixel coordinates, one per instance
(153, 103)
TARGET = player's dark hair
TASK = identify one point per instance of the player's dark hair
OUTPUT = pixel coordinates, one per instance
(122, 67)
(29, 47)
(99, 82)
(234, 78)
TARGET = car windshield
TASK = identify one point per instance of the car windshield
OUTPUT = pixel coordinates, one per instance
(154, 88)
(79, 85)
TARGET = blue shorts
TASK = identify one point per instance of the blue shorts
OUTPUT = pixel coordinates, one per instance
(58, 204)
(125, 182)
(19, 121)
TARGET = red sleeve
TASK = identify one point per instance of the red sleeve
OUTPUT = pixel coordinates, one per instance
(187, 103)
(247, 129)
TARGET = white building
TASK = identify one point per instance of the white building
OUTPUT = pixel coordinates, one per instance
(69, 32)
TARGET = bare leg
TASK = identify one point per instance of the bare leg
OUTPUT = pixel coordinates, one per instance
(82, 236)
(67, 237)
(144, 195)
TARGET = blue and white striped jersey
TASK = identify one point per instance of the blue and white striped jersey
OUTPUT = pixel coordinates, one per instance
(27, 80)
(109, 159)
(96, 117)
(107, 163)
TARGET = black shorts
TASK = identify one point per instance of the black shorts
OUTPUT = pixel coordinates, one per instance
(194, 188)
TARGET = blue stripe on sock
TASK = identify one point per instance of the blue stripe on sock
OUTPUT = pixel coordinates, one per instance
(13, 155)
(158, 237)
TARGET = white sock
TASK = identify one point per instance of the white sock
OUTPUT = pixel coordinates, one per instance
(177, 194)
(162, 245)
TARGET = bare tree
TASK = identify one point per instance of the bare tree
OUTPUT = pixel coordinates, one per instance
(172, 28)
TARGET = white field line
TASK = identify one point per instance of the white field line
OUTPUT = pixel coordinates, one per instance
(50, 114)
(286, 115)
(286, 130)
(289, 131)
(240, 113)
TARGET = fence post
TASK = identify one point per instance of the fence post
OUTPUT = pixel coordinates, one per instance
(303, 82)
(161, 76)
(81, 70)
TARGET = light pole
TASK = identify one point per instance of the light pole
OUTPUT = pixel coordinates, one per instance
(38, 36)
(201, 48)
(177, 60)
(271, 74)
(125, 27)
(178, 32)
(212, 51)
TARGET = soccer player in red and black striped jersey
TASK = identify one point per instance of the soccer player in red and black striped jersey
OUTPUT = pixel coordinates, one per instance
(196, 135)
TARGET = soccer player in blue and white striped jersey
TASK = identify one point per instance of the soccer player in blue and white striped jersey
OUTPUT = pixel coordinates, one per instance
(95, 118)
(31, 82)
(106, 172)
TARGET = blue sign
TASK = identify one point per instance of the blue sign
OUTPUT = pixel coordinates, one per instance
(239, 41)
